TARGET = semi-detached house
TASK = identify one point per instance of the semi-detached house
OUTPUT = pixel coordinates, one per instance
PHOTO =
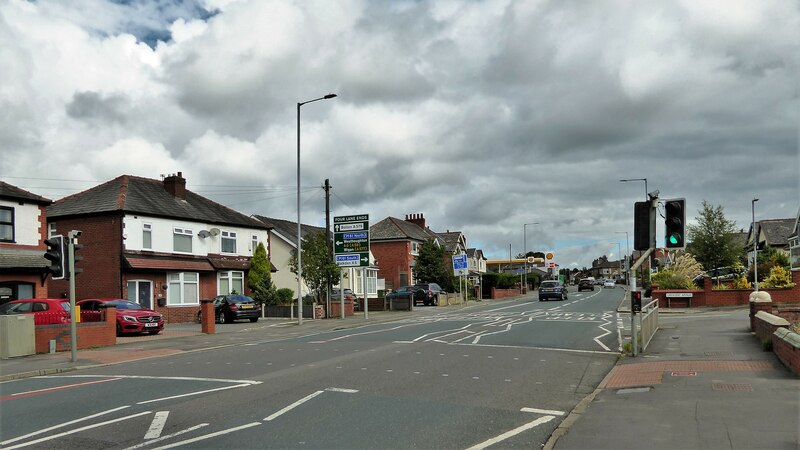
(157, 243)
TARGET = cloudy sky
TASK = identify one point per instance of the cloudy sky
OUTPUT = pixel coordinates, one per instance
(482, 115)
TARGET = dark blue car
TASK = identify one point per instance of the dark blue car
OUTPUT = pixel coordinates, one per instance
(552, 289)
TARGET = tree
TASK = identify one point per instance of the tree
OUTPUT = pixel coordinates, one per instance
(430, 264)
(317, 267)
(259, 278)
(713, 238)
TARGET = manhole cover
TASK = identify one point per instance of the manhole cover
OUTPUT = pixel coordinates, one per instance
(732, 387)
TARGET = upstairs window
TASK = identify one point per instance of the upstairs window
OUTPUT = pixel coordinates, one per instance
(147, 236)
(228, 242)
(182, 240)
(254, 244)
(52, 230)
(6, 224)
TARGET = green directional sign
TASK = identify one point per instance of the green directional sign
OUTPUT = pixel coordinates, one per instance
(351, 240)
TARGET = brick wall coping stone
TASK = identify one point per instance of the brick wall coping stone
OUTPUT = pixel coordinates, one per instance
(788, 336)
(760, 297)
(772, 319)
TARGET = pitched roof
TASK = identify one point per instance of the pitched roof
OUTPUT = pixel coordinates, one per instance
(475, 253)
(777, 231)
(146, 196)
(451, 240)
(11, 192)
(288, 229)
(394, 228)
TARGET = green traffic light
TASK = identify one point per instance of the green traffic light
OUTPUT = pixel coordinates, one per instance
(673, 239)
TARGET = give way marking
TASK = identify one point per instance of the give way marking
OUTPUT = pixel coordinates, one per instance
(541, 420)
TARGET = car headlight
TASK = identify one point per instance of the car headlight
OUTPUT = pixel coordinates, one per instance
(129, 318)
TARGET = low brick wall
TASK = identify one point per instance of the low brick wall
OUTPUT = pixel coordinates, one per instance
(786, 345)
(765, 325)
(89, 334)
(708, 296)
(504, 293)
(336, 309)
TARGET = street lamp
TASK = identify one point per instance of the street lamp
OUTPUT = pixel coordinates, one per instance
(639, 179)
(525, 250)
(755, 243)
(299, 240)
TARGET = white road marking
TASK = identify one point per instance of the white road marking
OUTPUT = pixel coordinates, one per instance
(597, 339)
(143, 377)
(292, 406)
(514, 432)
(62, 425)
(64, 387)
(548, 412)
(194, 393)
(346, 391)
(157, 426)
(208, 436)
(169, 436)
(76, 430)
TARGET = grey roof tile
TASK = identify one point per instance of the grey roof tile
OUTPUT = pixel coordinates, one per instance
(11, 192)
(287, 228)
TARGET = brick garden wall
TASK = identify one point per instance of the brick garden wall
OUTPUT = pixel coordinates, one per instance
(504, 293)
(708, 296)
(89, 334)
(786, 345)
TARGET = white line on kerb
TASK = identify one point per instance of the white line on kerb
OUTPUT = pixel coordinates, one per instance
(514, 432)
(549, 412)
(157, 426)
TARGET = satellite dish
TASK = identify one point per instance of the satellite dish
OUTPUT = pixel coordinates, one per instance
(203, 234)
(213, 231)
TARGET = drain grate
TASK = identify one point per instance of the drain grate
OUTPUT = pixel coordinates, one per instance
(732, 387)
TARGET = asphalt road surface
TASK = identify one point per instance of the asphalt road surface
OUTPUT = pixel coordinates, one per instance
(502, 376)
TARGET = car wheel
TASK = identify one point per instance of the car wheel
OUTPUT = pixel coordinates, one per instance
(119, 330)
(436, 301)
(223, 318)
(254, 319)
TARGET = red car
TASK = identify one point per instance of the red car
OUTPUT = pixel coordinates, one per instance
(46, 311)
(131, 316)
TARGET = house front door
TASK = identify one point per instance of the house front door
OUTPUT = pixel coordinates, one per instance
(141, 292)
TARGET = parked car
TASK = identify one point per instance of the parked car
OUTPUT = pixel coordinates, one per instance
(406, 292)
(232, 307)
(552, 289)
(46, 311)
(608, 284)
(431, 293)
(585, 284)
(131, 316)
(348, 294)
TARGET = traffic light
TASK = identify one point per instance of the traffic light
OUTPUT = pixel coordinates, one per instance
(55, 254)
(643, 216)
(636, 301)
(71, 269)
(675, 223)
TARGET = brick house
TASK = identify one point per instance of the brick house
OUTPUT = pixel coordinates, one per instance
(23, 229)
(794, 244)
(772, 232)
(395, 245)
(157, 243)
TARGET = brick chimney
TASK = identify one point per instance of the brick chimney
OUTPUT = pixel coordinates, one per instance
(176, 185)
(416, 219)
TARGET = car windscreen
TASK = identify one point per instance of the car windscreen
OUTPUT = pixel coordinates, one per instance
(9, 308)
(125, 304)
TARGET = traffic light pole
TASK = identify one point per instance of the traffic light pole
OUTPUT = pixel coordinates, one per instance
(634, 334)
(73, 327)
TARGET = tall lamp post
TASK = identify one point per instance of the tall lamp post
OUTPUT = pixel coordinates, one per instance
(639, 179)
(299, 239)
(755, 243)
(525, 251)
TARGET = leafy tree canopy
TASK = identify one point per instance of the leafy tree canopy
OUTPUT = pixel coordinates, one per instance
(430, 266)
(713, 238)
(317, 267)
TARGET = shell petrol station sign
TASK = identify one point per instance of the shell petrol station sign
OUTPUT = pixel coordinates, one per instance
(548, 260)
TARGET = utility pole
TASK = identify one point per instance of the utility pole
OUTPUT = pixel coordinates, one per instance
(328, 243)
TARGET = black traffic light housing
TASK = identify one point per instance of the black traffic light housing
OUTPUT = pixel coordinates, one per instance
(636, 301)
(56, 254)
(72, 269)
(643, 218)
(675, 223)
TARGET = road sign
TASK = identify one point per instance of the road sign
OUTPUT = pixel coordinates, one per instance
(351, 240)
(460, 265)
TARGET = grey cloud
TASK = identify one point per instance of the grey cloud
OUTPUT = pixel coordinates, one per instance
(96, 108)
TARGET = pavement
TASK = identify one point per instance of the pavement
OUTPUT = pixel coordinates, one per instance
(703, 382)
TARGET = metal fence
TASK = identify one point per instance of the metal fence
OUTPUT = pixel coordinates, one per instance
(648, 322)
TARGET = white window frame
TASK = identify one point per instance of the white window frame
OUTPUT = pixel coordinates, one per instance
(178, 231)
(415, 248)
(11, 223)
(228, 236)
(176, 298)
(147, 230)
(254, 243)
(52, 230)
(230, 276)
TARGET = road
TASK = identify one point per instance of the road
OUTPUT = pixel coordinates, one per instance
(502, 375)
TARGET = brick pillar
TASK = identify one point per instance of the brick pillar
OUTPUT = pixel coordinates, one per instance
(207, 323)
(759, 301)
(108, 314)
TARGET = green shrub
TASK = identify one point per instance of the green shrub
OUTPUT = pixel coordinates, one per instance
(285, 296)
(778, 278)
